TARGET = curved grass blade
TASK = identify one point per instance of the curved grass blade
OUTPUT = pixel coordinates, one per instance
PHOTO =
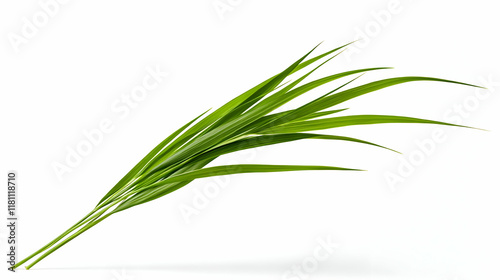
(332, 100)
(168, 185)
(240, 168)
(327, 123)
(272, 139)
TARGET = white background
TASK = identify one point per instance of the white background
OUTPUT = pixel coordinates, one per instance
(441, 222)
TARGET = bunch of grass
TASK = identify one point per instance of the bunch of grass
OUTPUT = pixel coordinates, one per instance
(245, 122)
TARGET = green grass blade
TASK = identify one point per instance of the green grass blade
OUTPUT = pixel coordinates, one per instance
(332, 100)
(328, 123)
(267, 140)
(245, 168)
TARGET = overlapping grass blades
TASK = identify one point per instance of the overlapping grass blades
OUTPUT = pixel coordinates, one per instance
(245, 122)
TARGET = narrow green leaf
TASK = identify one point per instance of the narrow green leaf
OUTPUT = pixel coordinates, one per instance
(240, 168)
(327, 123)
(272, 139)
(332, 100)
